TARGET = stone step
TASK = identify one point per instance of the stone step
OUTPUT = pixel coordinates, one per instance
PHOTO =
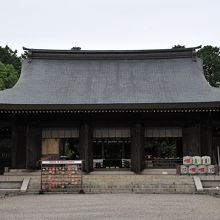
(114, 183)
(112, 172)
(134, 183)
(22, 174)
(140, 190)
(139, 177)
(159, 172)
(140, 180)
(138, 184)
(136, 178)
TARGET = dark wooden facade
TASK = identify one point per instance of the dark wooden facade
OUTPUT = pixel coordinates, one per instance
(199, 131)
(89, 89)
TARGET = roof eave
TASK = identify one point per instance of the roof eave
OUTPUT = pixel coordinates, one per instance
(146, 106)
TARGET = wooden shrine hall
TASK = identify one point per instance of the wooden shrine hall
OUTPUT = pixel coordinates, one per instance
(118, 109)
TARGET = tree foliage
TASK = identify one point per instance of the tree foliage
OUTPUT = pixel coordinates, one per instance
(8, 76)
(8, 56)
(10, 67)
(211, 64)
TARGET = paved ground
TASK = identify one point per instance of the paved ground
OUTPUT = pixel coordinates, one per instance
(110, 206)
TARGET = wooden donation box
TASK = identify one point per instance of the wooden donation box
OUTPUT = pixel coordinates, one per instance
(61, 176)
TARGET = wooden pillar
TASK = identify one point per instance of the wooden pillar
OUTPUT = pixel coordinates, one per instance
(33, 150)
(13, 147)
(86, 152)
(191, 140)
(103, 150)
(19, 146)
(206, 140)
(179, 148)
(137, 148)
(123, 150)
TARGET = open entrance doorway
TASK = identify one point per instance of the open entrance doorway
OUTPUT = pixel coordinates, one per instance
(69, 149)
(163, 152)
(163, 147)
(60, 148)
(111, 153)
(111, 147)
(60, 143)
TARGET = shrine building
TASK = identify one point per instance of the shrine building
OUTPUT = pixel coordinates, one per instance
(112, 109)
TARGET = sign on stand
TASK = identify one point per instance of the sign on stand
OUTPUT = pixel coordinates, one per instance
(61, 176)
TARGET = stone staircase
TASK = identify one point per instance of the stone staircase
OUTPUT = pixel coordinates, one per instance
(210, 184)
(114, 183)
(117, 182)
(34, 185)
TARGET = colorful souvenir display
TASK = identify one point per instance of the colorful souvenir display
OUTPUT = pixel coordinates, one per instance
(62, 175)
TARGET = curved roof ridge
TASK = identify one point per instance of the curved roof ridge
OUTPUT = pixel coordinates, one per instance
(111, 51)
(112, 54)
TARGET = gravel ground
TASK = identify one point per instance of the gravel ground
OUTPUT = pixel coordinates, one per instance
(110, 206)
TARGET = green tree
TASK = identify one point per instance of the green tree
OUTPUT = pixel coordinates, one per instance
(211, 64)
(8, 76)
(10, 67)
(2, 76)
(8, 56)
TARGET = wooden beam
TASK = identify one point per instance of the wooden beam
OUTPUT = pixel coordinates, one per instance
(137, 148)
(85, 145)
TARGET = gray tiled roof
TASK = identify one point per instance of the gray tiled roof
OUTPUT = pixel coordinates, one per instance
(111, 81)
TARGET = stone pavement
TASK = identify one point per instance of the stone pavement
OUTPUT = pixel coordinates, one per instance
(110, 206)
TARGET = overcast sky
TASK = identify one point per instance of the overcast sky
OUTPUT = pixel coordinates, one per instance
(109, 24)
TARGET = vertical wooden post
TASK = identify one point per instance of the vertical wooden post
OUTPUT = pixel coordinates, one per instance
(191, 140)
(14, 147)
(206, 140)
(123, 150)
(209, 141)
(179, 148)
(33, 149)
(103, 150)
(19, 146)
(137, 148)
(86, 152)
(27, 146)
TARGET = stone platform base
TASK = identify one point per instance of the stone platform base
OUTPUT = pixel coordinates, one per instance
(162, 181)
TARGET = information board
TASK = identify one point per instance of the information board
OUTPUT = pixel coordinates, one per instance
(61, 176)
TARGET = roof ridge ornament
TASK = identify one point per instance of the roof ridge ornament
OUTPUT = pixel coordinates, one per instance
(76, 48)
(28, 53)
(194, 53)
